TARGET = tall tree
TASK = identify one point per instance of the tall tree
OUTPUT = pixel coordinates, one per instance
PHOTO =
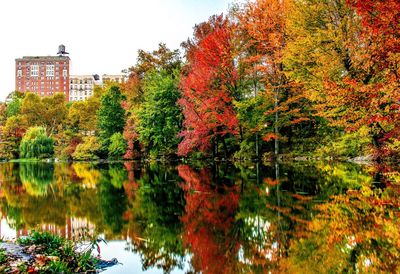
(54, 113)
(346, 57)
(161, 59)
(262, 33)
(110, 116)
(49, 112)
(380, 31)
(160, 117)
(209, 85)
(11, 135)
(32, 109)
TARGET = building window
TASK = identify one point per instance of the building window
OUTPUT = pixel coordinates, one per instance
(19, 73)
(49, 70)
(34, 70)
(65, 73)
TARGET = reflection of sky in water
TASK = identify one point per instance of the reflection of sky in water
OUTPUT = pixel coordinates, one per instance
(6, 232)
(131, 262)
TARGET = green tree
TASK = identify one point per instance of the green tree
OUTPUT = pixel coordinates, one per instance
(110, 116)
(13, 107)
(160, 117)
(118, 145)
(36, 144)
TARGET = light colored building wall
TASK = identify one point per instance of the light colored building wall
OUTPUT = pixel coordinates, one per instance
(118, 78)
(81, 87)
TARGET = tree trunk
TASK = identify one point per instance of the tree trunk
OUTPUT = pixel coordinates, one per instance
(276, 129)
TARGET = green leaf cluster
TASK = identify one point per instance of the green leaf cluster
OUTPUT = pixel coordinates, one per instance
(110, 116)
(118, 146)
(36, 144)
(160, 117)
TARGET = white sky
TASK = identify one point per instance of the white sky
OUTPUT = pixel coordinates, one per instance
(102, 36)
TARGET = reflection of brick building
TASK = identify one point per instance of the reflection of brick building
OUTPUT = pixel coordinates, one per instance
(43, 75)
(75, 228)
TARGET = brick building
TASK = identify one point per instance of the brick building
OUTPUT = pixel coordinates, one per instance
(43, 75)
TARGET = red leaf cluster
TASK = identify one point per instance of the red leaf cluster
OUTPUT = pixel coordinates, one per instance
(207, 98)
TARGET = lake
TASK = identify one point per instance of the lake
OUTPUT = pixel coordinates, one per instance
(213, 218)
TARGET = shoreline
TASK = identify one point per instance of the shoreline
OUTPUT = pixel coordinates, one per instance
(42, 251)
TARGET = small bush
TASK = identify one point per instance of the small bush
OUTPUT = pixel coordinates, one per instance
(348, 145)
(68, 258)
(3, 256)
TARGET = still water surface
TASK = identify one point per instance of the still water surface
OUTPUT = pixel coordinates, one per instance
(180, 218)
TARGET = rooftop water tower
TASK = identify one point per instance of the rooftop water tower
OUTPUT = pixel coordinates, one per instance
(61, 50)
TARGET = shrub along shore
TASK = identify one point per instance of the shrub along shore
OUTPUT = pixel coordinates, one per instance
(42, 252)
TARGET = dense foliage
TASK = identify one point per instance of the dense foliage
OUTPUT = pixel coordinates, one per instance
(285, 218)
(36, 144)
(271, 78)
(110, 116)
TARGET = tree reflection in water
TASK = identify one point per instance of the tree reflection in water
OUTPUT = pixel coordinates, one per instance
(297, 218)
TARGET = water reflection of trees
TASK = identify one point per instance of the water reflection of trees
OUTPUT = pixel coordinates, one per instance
(38, 193)
(355, 232)
(212, 202)
(222, 218)
(155, 221)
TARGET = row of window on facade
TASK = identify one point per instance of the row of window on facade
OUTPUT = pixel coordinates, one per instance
(42, 78)
(81, 93)
(81, 87)
(35, 88)
(41, 92)
(35, 71)
(75, 81)
(50, 83)
(42, 63)
(77, 98)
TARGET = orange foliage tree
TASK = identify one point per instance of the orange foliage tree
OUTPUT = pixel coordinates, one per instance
(261, 30)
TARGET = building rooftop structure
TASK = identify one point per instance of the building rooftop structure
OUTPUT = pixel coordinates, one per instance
(43, 75)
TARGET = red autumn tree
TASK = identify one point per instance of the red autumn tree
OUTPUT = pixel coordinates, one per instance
(208, 221)
(208, 85)
(381, 32)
